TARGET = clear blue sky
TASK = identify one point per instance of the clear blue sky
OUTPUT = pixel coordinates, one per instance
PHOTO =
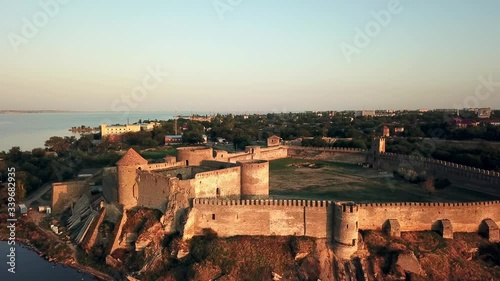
(263, 55)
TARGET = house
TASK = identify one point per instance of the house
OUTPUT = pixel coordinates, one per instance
(462, 123)
(273, 141)
(173, 139)
(491, 122)
(483, 112)
(399, 130)
(22, 209)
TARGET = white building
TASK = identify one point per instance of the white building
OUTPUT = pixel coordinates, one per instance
(364, 113)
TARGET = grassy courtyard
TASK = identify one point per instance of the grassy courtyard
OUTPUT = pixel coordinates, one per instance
(326, 180)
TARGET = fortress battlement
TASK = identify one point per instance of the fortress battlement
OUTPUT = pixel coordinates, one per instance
(160, 166)
(217, 172)
(263, 202)
(429, 204)
(414, 158)
(327, 149)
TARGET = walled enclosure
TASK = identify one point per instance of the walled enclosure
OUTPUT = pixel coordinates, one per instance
(158, 186)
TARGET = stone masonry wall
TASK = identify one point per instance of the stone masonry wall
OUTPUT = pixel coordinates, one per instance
(465, 217)
(153, 190)
(110, 184)
(479, 179)
(258, 217)
(66, 192)
(227, 181)
(315, 218)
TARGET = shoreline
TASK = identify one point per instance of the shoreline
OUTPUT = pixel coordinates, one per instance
(101, 276)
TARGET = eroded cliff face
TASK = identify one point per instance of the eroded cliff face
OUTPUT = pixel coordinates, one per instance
(159, 255)
(178, 206)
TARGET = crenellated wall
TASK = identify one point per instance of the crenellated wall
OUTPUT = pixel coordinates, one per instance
(465, 217)
(160, 166)
(483, 180)
(322, 218)
(258, 217)
(327, 149)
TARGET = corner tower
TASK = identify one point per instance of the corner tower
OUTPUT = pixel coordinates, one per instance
(127, 172)
(345, 229)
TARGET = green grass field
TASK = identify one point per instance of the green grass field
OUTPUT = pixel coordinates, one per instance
(350, 182)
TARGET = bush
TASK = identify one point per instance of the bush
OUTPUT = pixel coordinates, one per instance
(441, 183)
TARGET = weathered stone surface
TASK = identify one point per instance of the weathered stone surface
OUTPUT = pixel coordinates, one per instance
(409, 263)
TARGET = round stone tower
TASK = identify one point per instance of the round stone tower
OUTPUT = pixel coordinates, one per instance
(193, 155)
(254, 179)
(127, 172)
(345, 229)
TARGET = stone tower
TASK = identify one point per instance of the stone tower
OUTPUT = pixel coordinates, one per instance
(345, 229)
(378, 145)
(254, 179)
(194, 155)
(127, 172)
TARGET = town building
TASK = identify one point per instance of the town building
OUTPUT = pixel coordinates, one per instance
(273, 141)
(119, 129)
(173, 139)
(483, 112)
(364, 113)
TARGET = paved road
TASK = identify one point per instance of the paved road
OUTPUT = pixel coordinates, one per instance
(36, 196)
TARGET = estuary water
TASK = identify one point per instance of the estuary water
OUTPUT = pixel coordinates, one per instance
(30, 266)
(31, 130)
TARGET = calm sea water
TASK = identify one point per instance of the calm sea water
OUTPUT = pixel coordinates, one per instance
(30, 266)
(31, 130)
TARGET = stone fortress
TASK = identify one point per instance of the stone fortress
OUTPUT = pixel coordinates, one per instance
(203, 188)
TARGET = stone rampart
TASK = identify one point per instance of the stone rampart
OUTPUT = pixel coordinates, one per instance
(259, 217)
(315, 218)
(485, 181)
(465, 217)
